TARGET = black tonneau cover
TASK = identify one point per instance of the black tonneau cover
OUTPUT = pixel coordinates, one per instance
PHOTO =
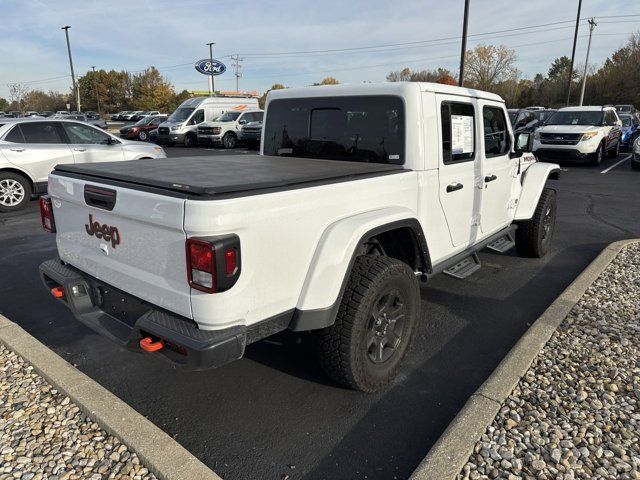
(226, 174)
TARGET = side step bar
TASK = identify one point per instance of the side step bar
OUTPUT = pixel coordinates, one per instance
(467, 262)
(502, 244)
(464, 268)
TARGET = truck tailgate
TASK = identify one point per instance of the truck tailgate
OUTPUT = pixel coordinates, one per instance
(137, 246)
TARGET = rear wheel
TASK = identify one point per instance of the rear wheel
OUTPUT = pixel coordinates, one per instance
(143, 136)
(15, 191)
(533, 237)
(375, 324)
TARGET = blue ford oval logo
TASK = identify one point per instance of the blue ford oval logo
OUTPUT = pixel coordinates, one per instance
(208, 67)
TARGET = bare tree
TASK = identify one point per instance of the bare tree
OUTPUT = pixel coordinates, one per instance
(489, 65)
(17, 91)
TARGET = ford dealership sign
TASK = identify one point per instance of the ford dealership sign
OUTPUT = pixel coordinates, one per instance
(208, 67)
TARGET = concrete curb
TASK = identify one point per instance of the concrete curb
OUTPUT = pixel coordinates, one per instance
(160, 453)
(451, 452)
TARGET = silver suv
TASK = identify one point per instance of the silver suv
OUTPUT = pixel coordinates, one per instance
(31, 148)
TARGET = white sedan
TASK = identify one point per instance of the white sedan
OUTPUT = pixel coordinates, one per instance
(31, 148)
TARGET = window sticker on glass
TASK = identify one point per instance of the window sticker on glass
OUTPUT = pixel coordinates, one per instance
(461, 134)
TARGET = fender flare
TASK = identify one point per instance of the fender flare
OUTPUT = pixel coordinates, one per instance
(533, 183)
(336, 251)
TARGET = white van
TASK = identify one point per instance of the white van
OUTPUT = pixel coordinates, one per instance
(181, 126)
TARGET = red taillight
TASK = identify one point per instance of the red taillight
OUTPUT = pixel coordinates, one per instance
(46, 214)
(213, 263)
(201, 265)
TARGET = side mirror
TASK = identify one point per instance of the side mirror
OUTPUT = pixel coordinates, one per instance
(242, 122)
(522, 141)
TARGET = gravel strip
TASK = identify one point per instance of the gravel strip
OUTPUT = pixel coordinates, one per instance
(576, 412)
(45, 436)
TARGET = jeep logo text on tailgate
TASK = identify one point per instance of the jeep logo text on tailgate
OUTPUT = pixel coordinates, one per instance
(105, 232)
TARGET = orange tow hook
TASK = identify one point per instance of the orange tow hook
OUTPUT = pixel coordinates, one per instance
(58, 291)
(148, 345)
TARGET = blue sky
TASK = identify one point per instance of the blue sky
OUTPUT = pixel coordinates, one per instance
(172, 35)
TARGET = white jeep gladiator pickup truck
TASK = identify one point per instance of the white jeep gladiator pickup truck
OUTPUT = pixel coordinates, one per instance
(360, 192)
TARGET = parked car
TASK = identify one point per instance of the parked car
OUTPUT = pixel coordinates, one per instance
(225, 130)
(527, 120)
(142, 115)
(92, 115)
(117, 116)
(579, 133)
(15, 114)
(182, 125)
(140, 130)
(47, 114)
(359, 195)
(625, 109)
(32, 114)
(130, 116)
(153, 135)
(30, 148)
(250, 134)
(62, 112)
(630, 129)
(535, 108)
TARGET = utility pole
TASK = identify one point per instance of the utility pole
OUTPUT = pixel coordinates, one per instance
(573, 52)
(592, 25)
(464, 42)
(95, 87)
(76, 90)
(236, 63)
(212, 85)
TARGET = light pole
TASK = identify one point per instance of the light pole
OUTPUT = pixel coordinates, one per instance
(573, 52)
(464, 42)
(212, 85)
(95, 88)
(592, 25)
(76, 90)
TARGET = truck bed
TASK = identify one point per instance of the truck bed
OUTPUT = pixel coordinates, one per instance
(225, 175)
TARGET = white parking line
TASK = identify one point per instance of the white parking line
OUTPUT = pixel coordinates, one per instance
(616, 164)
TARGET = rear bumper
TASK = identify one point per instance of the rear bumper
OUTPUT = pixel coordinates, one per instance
(126, 320)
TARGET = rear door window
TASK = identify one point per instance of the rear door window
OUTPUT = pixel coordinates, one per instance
(458, 132)
(41, 132)
(355, 128)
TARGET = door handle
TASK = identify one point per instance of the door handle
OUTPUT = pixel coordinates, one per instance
(454, 186)
(490, 178)
(17, 149)
(79, 149)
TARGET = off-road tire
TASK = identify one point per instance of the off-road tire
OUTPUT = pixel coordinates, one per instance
(532, 238)
(189, 140)
(13, 179)
(342, 347)
(229, 140)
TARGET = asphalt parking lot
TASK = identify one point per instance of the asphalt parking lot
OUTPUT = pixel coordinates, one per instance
(274, 414)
